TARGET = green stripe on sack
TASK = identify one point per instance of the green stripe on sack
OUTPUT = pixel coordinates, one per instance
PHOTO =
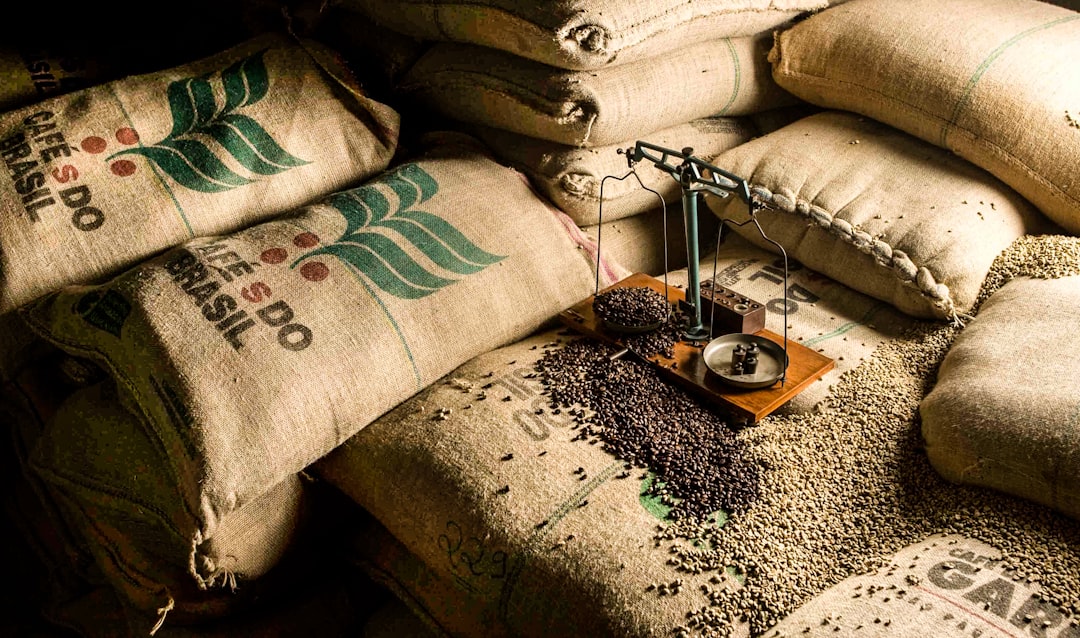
(847, 327)
(737, 79)
(394, 325)
(389, 318)
(575, 500)
(965, 98)
(544, 528)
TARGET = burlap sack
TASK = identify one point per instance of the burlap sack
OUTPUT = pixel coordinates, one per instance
(443, 604)
(571, 177)
(30, 76)
(637, 243)
(98, 464)
(576, 35)
(396, 620)
(596, 108)
(768, 121)
(318, 608)
(29, 398)
(878, 210)
(37, 388)
(55, 563)
(312, 593)
(100, 179)
(520, 541)
(822, 314)
(995, 82)
(944, 587)
(1004, 412)
(249, 356)
(64, 554)
(308, 592)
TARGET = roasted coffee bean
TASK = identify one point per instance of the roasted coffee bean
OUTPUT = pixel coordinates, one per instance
(659, 341)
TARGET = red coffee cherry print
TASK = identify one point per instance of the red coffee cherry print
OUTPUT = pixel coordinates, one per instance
(306, 240)
(122, 168)
(314, 271)
(93, 144)
(127, 136)
(273, 255)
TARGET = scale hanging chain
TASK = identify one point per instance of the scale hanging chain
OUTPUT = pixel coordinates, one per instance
(600, 225)
(715, 261)
(753, 205)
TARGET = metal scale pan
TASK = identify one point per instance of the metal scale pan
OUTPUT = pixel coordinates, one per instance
(772, 360)
(612, 325)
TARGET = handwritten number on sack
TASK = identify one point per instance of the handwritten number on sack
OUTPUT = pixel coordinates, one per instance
(451, 545)
(471, 553)
(472, 562)
(498, 560)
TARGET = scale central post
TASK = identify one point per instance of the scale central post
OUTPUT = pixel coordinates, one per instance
(695, 329)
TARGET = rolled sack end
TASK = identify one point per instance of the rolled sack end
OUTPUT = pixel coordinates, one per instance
(579, 184)
(588, 43)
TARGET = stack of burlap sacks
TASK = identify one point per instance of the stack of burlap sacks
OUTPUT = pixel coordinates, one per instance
(213, 275)
(172, 415)
(557, 89)
(892, 204)
(104, 178)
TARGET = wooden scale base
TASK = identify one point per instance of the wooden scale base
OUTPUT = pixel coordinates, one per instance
(688, 370)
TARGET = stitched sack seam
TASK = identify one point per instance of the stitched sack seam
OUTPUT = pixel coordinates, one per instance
(896, 261)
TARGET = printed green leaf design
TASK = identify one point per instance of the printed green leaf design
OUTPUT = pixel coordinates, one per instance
(187, 154)
(378, 255)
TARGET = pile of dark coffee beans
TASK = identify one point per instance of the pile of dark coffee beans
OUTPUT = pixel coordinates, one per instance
(697, 459)
(631, 306)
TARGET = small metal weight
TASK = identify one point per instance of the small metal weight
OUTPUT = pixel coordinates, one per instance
(738, 355)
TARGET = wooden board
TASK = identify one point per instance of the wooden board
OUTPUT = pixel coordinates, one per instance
(691, 373)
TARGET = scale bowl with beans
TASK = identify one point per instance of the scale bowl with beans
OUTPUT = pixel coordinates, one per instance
(724, 354)
(631, 309)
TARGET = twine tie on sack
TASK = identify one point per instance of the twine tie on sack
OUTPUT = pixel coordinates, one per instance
(162, 612)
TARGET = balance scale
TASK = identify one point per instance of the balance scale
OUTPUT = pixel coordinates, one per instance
(702, 361)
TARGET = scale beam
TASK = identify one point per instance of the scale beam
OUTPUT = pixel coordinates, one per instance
(691, 173)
